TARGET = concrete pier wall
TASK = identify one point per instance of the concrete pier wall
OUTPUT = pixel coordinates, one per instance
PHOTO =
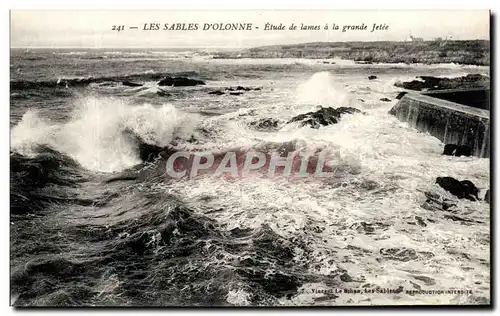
(450, 122)
(476, 98)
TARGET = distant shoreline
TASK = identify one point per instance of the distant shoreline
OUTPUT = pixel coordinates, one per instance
(463, 52)
(331, 61)
(472, 52)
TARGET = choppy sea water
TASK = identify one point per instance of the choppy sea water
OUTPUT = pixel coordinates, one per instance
(79, 239)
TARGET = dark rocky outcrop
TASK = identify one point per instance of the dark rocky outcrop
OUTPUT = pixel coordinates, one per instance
(457, 150)
(436, 202)
(363, 62)
(487, 196)
(131, 84)
(132, 80)
(372, 77)
(462, 189)
(266, 124)
(385, 100)
(436, 83)
(324, 116)
(420, 221)
(235, 93)
(241, 88)
(216, 92)
(179, 82)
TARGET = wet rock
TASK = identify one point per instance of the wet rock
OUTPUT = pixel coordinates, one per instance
(241, 88)
(372, 77)
(179, 82)
(420, 221)
(457, 150)
(216, 92)
(487, 196)
(462, 189)
(324, 116)
(385, 99)
(266, 124)
(436, 83)
(363, 62)
(435, 203)
(131, 84)
(238, 88)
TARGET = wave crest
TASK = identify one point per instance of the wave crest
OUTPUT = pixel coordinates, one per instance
(323, 89)
(96, 137)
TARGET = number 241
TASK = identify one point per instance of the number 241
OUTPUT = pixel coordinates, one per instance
(118, 28)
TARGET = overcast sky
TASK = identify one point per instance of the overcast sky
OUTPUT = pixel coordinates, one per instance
(93, 28)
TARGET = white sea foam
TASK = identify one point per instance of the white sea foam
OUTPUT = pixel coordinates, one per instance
(238, 297)
(94, 134)
(323, 89)
(383, 168)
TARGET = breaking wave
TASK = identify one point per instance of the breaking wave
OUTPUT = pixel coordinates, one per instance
(95, 135)
(323, 88)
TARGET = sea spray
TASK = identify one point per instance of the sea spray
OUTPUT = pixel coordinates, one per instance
(94, 136)
(324, 89)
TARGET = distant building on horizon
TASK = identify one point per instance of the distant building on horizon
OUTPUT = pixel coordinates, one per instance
(416, 39)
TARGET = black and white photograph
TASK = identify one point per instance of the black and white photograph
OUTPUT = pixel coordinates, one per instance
(250, 158)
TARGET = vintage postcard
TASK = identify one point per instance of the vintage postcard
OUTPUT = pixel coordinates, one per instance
(249, 158)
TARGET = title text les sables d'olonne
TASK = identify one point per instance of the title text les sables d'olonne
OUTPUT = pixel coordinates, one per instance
(220, 26)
